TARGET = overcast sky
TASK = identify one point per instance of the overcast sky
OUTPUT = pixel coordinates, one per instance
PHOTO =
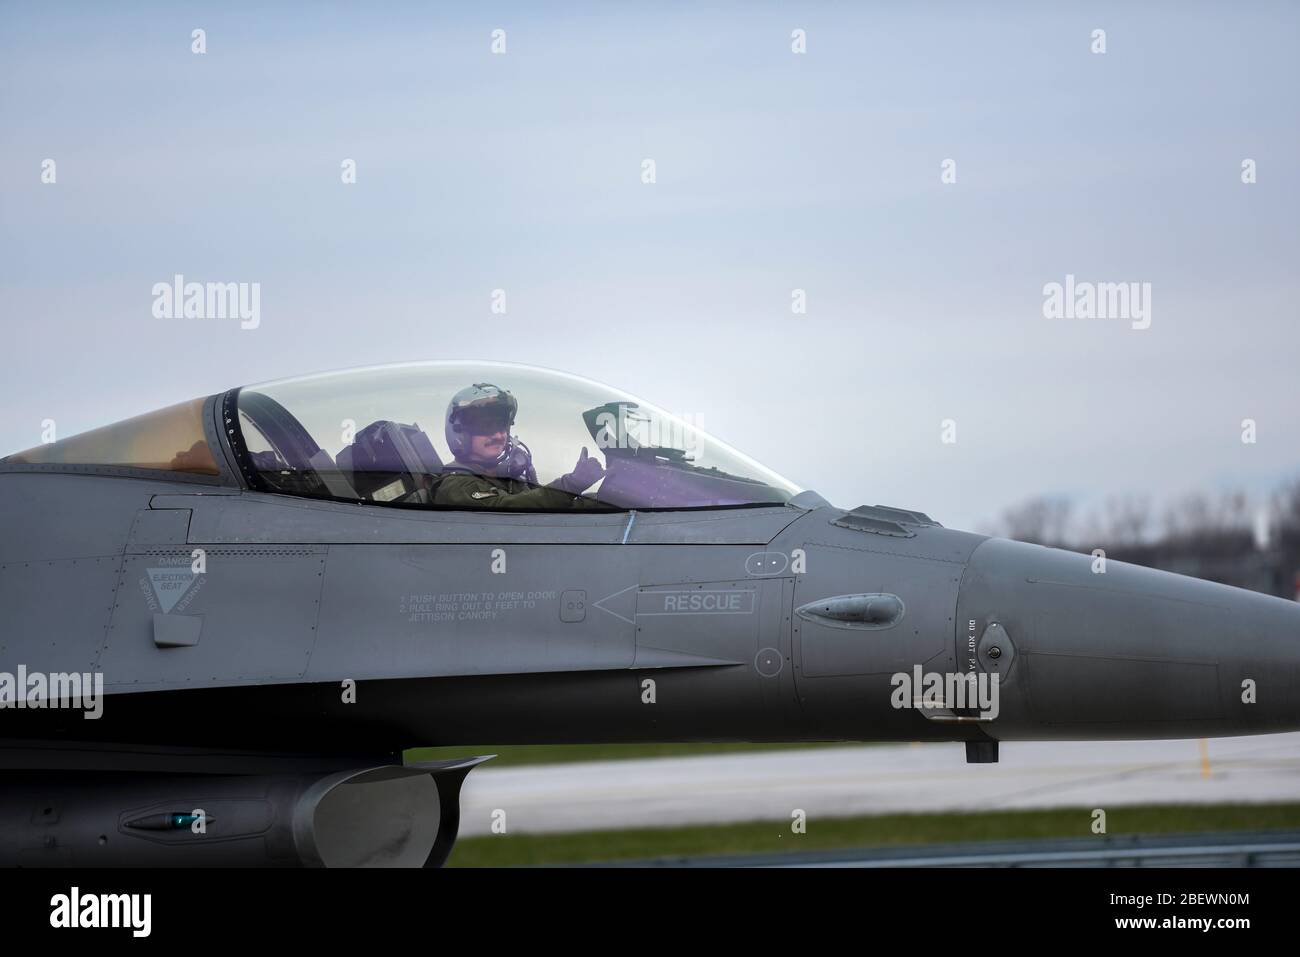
(775, 171)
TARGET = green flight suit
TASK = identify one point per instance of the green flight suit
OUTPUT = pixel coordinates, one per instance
(467, 490)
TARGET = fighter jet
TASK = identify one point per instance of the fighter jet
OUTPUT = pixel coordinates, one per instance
(225, 621)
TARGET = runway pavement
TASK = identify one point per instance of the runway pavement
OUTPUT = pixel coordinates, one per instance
(882, 779)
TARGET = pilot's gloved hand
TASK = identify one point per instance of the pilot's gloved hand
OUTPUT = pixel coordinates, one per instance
(586, 473)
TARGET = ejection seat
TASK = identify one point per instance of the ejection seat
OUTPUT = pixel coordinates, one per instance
(391, 462)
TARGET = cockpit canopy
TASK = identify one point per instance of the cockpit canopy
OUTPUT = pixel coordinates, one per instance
(378, 435)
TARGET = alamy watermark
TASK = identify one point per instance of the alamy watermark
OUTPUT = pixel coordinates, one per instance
(631, 428)
(934, 690)
(1098, 300)
(179, 299)
(76, 909)
(57, 689)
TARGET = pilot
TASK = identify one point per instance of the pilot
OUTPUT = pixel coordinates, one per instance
(492, 468)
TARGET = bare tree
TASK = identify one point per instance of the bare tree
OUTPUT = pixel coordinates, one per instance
(1197, 517)
(1285, 506)
(1042, 520)
(1232, 513)
(1126, 519)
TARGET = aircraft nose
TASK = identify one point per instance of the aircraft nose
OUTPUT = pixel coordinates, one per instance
(1091, 648)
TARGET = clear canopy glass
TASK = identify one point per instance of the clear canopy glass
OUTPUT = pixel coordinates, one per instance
(380, 435)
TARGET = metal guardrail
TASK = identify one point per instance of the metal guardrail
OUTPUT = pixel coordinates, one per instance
(1230, 849)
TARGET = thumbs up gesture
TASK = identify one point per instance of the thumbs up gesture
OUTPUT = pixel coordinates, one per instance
(586, 473)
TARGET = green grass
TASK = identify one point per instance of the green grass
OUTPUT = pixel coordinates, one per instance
(516, 755)
(836, 833)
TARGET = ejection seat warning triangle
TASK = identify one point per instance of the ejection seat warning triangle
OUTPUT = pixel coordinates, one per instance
(170, 584)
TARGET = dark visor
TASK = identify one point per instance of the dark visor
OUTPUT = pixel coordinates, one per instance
(485, 421)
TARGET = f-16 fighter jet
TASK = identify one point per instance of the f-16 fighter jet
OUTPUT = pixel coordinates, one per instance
(224, 622)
